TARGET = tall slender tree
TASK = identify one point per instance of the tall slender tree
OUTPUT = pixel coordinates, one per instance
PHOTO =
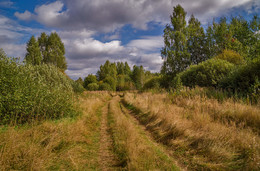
(196, 41)
(55, 52)
(33, 55)
(43, 41)
(138, 76)
(175, 52)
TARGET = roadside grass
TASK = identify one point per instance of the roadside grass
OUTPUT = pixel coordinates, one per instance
(195, 138)
(133, 150)
(65, 144)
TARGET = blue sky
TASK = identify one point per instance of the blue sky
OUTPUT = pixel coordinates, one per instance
(94, 31)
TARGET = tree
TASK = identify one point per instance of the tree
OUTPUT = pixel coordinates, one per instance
(210, 43)
(138, 76)
(120, 68)
(196, 41)
(175, 52)
(111, 81)
(55, 52)
(108, 69)
(254, 50)
(80, 81)
(33, 55)
(89, 79)
(127, 69)
(43, 40)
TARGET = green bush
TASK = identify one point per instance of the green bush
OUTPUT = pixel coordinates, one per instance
(231, 56)
(153, 83)
(77, 87)
(92, 87)
(111, 81)
(33, 92)
(244, 79)
(206, 74)
(89, 79)
(105, 86)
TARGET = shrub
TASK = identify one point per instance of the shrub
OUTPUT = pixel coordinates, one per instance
(92, 87)
(89, 79)
(231, 56)
(244, 79)
(32, 92)
(105, 86)
(206, 74)
(77, 87)
(153, 83)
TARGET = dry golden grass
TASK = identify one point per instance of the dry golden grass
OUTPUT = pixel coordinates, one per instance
(134, 149)
(66, 144)
(201, 131)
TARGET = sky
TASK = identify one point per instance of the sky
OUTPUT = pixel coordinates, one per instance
(94, 31)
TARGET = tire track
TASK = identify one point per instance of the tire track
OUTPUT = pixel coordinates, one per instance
(149, 135)
(107, 160)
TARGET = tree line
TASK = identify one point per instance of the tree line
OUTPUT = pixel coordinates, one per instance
(117, 76)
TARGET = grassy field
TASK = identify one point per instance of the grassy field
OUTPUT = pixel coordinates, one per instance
(138, 131)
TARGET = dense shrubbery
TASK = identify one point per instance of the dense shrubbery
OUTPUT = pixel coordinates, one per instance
(105, 86)
(33, 92)
(231, 56)
(92, 87)
(77, 87)
(153, 83)
(207, 73)
(244, 79)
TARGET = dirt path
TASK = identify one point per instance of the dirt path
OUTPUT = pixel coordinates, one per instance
(148, 134)
(107, 160)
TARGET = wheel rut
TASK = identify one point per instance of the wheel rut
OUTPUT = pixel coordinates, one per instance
(107, 160)
(149, 135)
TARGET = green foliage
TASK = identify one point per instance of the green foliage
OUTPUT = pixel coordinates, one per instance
(207, 73)
(196, 41)
(108, 69)
(120, 83)
(153, 83)
(43, 41)
(89, 79)
(127, 69)
(29, 92)
(175, 51)
(231, 56)
(138, 77)
(48, 50)
(244, 79)
(80, 81)
(77, 86)
(176, 84)
(92, 87)
(33, 55)
(55, 52)
(105, 86)
(111, 82)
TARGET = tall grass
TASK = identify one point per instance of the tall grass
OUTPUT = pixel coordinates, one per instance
(29, 93)
(203, 133)
(135, 150)
(65, 144)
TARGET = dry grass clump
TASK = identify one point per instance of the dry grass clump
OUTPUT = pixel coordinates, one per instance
(196, 138)
(66, 144)
(227, 112)
(133, 148)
